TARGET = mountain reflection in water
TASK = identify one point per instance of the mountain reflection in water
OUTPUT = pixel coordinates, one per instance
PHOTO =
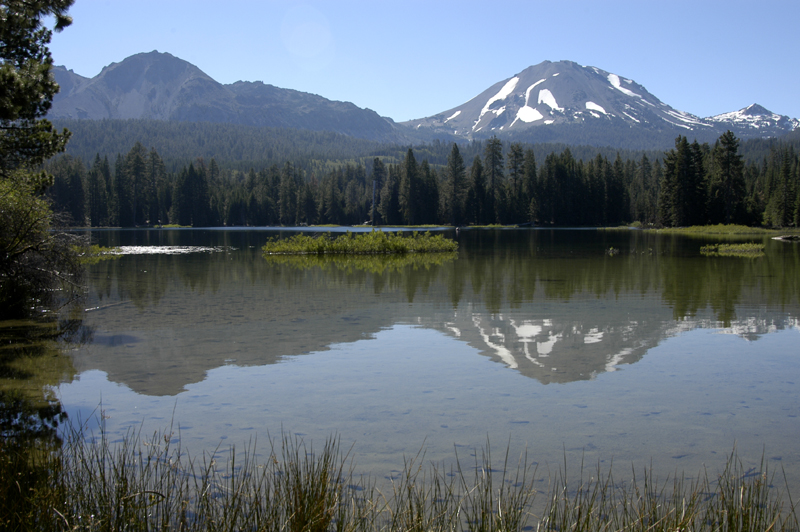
(531, 339)
(550, 304)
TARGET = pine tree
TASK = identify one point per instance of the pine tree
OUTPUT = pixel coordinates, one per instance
(67, 191)
(156, 175)
(136, 176)
(428, 194)
(97, 193)
(682, 201)
(389, 206)
(34, 260)
(287, 195)
(726, 183)
(378, 177)
(529, 194)
(515, 163)
(493, 167)
(476, 193)
(122, 195)
(453, 190)
(409, 190)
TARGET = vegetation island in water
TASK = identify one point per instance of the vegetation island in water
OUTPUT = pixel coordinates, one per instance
(374, 242)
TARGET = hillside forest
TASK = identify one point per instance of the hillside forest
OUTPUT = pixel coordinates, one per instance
(491, 182)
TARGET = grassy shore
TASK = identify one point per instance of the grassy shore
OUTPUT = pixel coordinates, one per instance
(719, 229)
(153, 485)
(373, 242)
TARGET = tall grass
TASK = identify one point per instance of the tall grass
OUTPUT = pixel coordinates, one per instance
(719, 229)
(749, 250)
(361, 243)
(151, 484)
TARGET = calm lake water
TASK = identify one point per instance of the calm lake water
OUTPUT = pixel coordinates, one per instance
(577, 345)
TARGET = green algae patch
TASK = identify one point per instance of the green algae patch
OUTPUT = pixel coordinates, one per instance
(373, 242)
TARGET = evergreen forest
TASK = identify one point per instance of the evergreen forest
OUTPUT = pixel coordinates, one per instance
(311, 178)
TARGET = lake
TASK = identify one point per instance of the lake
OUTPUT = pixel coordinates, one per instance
(584, 346)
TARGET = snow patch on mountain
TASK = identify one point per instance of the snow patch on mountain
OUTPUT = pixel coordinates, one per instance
(528, 114)
(594, 107)
(686, 118)
(631, 117)
(615, 82)
(546, 97)
(507, 89)
(528, 92)
(452, 116)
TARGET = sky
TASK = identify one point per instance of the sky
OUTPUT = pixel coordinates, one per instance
(413, 59)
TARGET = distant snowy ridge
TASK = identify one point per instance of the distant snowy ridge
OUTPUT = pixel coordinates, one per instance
(566, 93)
(756, 117)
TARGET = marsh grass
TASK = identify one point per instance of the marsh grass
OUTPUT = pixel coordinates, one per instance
(719, 229)
(94, 254)
(736, 500)
(744, 250)
(373, 242)
(152, 484)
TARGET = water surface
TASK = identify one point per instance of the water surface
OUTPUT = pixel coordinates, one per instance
(600, 346)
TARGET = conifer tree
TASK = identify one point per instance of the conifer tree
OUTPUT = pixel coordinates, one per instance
(389, 206)
(409, 190)
(33, 258)
(529, 201)
(515, 162)
(726, 184)
(97, 193)
(287, 195)
(493, 167)
(476, 193)
(453, 190)
(683, 198)
(428, 195)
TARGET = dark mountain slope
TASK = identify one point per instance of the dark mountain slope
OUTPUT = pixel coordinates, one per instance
(160, 86)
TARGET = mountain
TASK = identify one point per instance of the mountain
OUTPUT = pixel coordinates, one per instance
(163, 87)
(567, 102)
(552, 102)
(756, 118)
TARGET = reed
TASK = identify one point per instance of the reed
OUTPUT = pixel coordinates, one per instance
(719, 229)
(152, 484)
(94, 254)
(373, 242)
(746, 250)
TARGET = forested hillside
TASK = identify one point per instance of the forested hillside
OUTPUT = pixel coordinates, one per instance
(300, 177)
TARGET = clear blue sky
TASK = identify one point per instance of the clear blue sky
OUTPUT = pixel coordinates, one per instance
(409, 59)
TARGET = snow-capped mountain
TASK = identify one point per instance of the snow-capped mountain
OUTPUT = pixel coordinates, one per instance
(755, 117)
(567, 97)
(550, 102)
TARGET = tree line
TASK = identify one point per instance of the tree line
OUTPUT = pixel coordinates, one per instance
(690, 184)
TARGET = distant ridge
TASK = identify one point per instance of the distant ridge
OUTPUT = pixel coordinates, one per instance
(554, 102)
(160, 86)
